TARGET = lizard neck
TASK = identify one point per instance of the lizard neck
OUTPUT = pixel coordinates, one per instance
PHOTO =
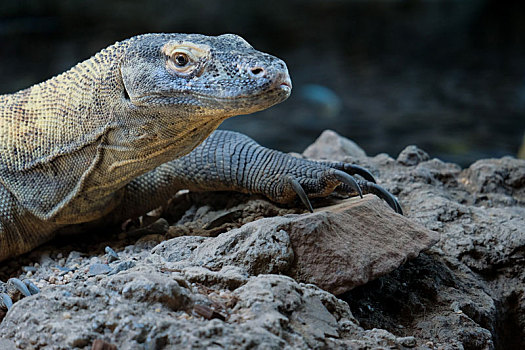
(123, 154)
(144, 142)
(49, 133)
(61, 115)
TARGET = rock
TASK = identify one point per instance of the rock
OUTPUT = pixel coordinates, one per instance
(412, 155)
(333, 147)
(230, 277)
(97, 269)
(351, 243)
(408, 342)
(111, 254)
(123, 266)
(466, 291)
(496, 181)
(7, 344)
(258, 247)
(314, 248)
(144, 308)
(473, 275)
(100, 344)
(277, 303)
(150, 287)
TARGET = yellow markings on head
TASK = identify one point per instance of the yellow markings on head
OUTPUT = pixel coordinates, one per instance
(185, 57)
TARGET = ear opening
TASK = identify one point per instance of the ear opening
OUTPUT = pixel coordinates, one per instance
(125, 94)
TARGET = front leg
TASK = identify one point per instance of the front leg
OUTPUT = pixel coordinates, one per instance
(230, 161)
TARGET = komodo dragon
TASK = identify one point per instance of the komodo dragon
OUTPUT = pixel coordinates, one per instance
(118, 134)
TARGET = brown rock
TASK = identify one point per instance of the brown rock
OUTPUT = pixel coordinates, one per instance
(336, 248)
(330, 145)
(412, 155)
(348, 244)
(100, 344)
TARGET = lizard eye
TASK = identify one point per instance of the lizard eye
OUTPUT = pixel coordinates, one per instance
(185, 59)
(181, 59)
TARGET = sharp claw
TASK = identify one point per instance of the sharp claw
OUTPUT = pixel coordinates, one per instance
(19, 285)
(302, 195)
(388, 197)
(348, 180)
(33, 289)
(398, 207)
(359, 170)
(6, 300)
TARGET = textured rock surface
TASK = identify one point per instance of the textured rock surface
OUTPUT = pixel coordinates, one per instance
(224, 287)
(336, 248)
(330, 145)
(351, 243)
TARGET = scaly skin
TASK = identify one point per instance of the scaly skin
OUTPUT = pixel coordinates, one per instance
(112, 136)
(72, 143)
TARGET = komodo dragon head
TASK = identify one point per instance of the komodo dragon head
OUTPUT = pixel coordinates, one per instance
(178, 88)
(220, 76)
(137, 104)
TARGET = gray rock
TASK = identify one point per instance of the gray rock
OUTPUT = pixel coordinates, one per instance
(314, 248)
(150, 287)
(464, 292)
(143, 308)
(123, 266)
(258, 247)
(111, 254)
(277, 303)
(474, 276)
(412, 155)
(7, 344)
(97, 269)
(329, 145)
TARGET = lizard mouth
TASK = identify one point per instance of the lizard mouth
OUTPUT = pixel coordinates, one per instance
(285, 82)
(279, 92)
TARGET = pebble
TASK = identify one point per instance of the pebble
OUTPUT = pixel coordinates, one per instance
(408, 342)
(112, 255)
(98, 269)
(63, 270)
(123, 266)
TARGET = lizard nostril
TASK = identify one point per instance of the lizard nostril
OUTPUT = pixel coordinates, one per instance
(257, 71)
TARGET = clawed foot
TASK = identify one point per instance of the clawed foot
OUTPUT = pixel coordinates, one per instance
(15, 289)
(319, 179)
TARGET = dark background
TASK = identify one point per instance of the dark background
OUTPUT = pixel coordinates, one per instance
(445, 75)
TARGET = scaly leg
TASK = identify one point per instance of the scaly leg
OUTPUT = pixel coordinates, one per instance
(229, 161)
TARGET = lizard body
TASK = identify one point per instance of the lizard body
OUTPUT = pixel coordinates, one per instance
(122, 131)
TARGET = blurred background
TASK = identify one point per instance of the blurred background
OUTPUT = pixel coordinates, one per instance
(448, 76)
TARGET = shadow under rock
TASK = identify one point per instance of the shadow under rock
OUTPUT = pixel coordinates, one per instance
(394, 301)
(419, 290)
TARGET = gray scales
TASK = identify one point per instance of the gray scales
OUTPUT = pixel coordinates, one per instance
(118, 134)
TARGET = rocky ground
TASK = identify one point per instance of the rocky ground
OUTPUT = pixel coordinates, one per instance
(214, 271)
